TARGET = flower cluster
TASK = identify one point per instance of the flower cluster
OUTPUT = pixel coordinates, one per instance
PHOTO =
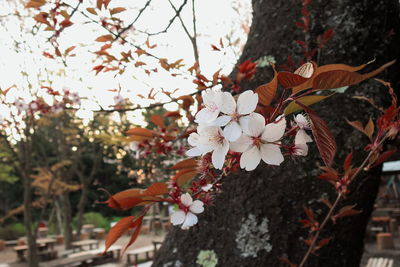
(230, 129)
(226, 124)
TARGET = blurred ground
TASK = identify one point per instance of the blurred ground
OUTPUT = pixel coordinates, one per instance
(8, 258)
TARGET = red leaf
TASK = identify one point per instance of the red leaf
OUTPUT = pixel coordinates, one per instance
(340, 78)
(158, 120)
(266, 92)
(289, 80)
(104, 38)
(346, 211)
(183, 176)
(384, 156)
(118, 230)
(347, 161)
(135, 234)
(323, 137)
(185, 164)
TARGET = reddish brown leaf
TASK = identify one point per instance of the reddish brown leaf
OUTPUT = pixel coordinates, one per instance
(289, 80)
(118, 230)
(137, 225)
(156, 189)
(348, 161)
(141, 132)
(117, 10)
(185, 164)
(183, 176)
(339, 78)
(158, 120)
(346, 211)
(104, 38)
(325, 68)
(35, 3)
(266, 92)
(369, 128)
(323, 137)
(384, 156)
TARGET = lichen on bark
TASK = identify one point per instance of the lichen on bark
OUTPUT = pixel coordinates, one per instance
(253, 237)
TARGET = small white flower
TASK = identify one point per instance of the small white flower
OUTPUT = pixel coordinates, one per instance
(20, 105)
(206, 187)
(33, 106)
(186, 216)
(300, 149)
(260, 141)
(75, 98)
(209, 139)
(301, 136)
(235, 120)
(119, 100)
(211, 110)
(57, 108)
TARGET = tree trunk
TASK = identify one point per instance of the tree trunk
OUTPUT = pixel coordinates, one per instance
(67, 220)
(81, 209)
(28, 222)
(255, 220)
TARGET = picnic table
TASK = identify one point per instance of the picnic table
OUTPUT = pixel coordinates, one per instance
(87, 257)
(44, 245)
(80, 245)
(146, 250)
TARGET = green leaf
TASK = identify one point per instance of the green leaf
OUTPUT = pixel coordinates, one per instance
(305, 100)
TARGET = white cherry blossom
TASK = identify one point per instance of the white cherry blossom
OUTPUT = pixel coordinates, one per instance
(235, 119)
(211, 110)
(209, 139)
(206, 187)
(21, 105)
(185, 215)
(301, 136)
(260, 141)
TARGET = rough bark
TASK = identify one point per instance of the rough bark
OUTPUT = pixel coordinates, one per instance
(255, 220)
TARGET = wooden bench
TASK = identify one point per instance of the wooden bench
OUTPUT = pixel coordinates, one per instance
(146, 250)
(380, 262)
(83, 259)
(90, 243)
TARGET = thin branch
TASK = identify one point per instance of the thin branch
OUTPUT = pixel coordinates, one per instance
(192, 39)
(133, 22)
(338, 199)
(177, 13)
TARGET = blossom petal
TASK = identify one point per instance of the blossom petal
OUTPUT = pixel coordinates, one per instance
(221, 121)
(244, 123)
(227, 103)
(206, 115)
(302, 121)
(190, 220)
(186, 199)
(256, 125)
(197, 207)
(218, 155)
(250, 159)
(271, 154)
(193, 139)
(178, 217)
(302, 137)
(194, 152)
(274, 131)
(247, 102)
(232, 131)
(242, 144)
(301, 150)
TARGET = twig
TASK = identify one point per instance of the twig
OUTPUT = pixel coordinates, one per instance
(133, 22)
(339, 197)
